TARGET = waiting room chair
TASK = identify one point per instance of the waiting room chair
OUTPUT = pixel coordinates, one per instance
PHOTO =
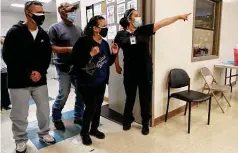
(214, 88)
(179, 78)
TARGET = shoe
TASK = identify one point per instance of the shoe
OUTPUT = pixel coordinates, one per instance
(59, 125)
(48, 139)
(8, 107)
(97, 134)
(78, 122)
(145, 130)
(86, 139)
(21, 147)
(126, 126)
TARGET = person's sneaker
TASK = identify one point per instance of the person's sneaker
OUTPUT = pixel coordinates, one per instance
(98, 134)
(8, 107)
(78, 122)
(21, 147)
(145, 130)
(48, 139)
(59, 125)
(86, 139)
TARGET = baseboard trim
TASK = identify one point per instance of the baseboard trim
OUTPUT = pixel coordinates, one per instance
(171, 114)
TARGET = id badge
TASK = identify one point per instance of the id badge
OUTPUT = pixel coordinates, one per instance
(133, 40)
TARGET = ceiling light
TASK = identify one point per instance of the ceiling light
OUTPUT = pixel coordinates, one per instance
(17, 5)
(44, 1)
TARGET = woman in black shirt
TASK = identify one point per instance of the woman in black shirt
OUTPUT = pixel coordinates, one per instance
(91, 58)
(134, 41)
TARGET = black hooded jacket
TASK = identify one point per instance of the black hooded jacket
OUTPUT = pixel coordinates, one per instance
(22, 55)
(84, 67)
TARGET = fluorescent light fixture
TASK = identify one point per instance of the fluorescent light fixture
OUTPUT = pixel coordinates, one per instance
(17, 5)
(44, 1)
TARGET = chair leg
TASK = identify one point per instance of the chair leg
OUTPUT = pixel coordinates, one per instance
(227, 100)
(218, 102)
(167, 110)
(189, 117)
(186, 107)
(209, 110)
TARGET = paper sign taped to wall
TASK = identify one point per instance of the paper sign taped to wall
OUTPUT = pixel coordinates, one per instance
(111, 14)
(110, 1)
(132, 4)
(97, 9)
(120, 1)
(121, 8)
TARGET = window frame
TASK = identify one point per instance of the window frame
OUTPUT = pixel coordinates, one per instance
(216, 36)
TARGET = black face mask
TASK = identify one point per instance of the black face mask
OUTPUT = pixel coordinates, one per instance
(103, 32)
(39, 19)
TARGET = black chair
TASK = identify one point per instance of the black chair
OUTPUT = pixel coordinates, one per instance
(179, 78)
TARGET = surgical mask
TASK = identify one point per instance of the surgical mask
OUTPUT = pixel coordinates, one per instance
(38, 18)
(71, 16)
(104, 32)
(138, 22)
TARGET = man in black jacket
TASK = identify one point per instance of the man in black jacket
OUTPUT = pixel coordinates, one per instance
(27, 54)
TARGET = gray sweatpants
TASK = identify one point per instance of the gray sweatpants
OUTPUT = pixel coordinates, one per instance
(20, 107)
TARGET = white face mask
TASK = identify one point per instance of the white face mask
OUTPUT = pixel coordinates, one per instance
(138, 22)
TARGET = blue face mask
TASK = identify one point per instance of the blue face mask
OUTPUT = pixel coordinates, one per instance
(138, 22)
(71, 16)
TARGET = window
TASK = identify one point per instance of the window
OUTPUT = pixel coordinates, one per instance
(206, 31)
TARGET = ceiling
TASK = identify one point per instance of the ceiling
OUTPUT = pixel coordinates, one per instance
(50, 8)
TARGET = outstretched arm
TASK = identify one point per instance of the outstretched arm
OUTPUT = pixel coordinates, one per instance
(168, 21)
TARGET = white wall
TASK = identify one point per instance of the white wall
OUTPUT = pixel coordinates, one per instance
(173, 46)
(8, 19)
(229, 32)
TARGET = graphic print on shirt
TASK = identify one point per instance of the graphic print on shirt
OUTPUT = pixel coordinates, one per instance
(92, 66)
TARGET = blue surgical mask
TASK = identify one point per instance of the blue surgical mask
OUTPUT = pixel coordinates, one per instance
(71, 16)
(138, 22)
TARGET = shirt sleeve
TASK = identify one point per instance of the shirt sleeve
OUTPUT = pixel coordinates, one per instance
(80, 31)
(80, 55)
(147, 30)
(53, 35)
(118, 38)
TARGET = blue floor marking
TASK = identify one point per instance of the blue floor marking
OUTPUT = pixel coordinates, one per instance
(70, 131)
(31, 101)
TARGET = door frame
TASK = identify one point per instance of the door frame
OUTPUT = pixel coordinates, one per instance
(147, 9)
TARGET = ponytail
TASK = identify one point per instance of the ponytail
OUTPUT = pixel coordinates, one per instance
(124, 21)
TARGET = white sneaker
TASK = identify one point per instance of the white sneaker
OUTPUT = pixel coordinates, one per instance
(21, 147)
(48, 139)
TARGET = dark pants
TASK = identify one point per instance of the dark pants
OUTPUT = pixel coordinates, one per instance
(144, 96)
(5, 100)
(93, 97)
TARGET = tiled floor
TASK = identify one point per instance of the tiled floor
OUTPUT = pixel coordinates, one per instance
(171, 137)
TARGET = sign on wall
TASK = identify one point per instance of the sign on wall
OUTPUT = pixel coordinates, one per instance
(121, 8)
(110, 1)
(111, 14)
